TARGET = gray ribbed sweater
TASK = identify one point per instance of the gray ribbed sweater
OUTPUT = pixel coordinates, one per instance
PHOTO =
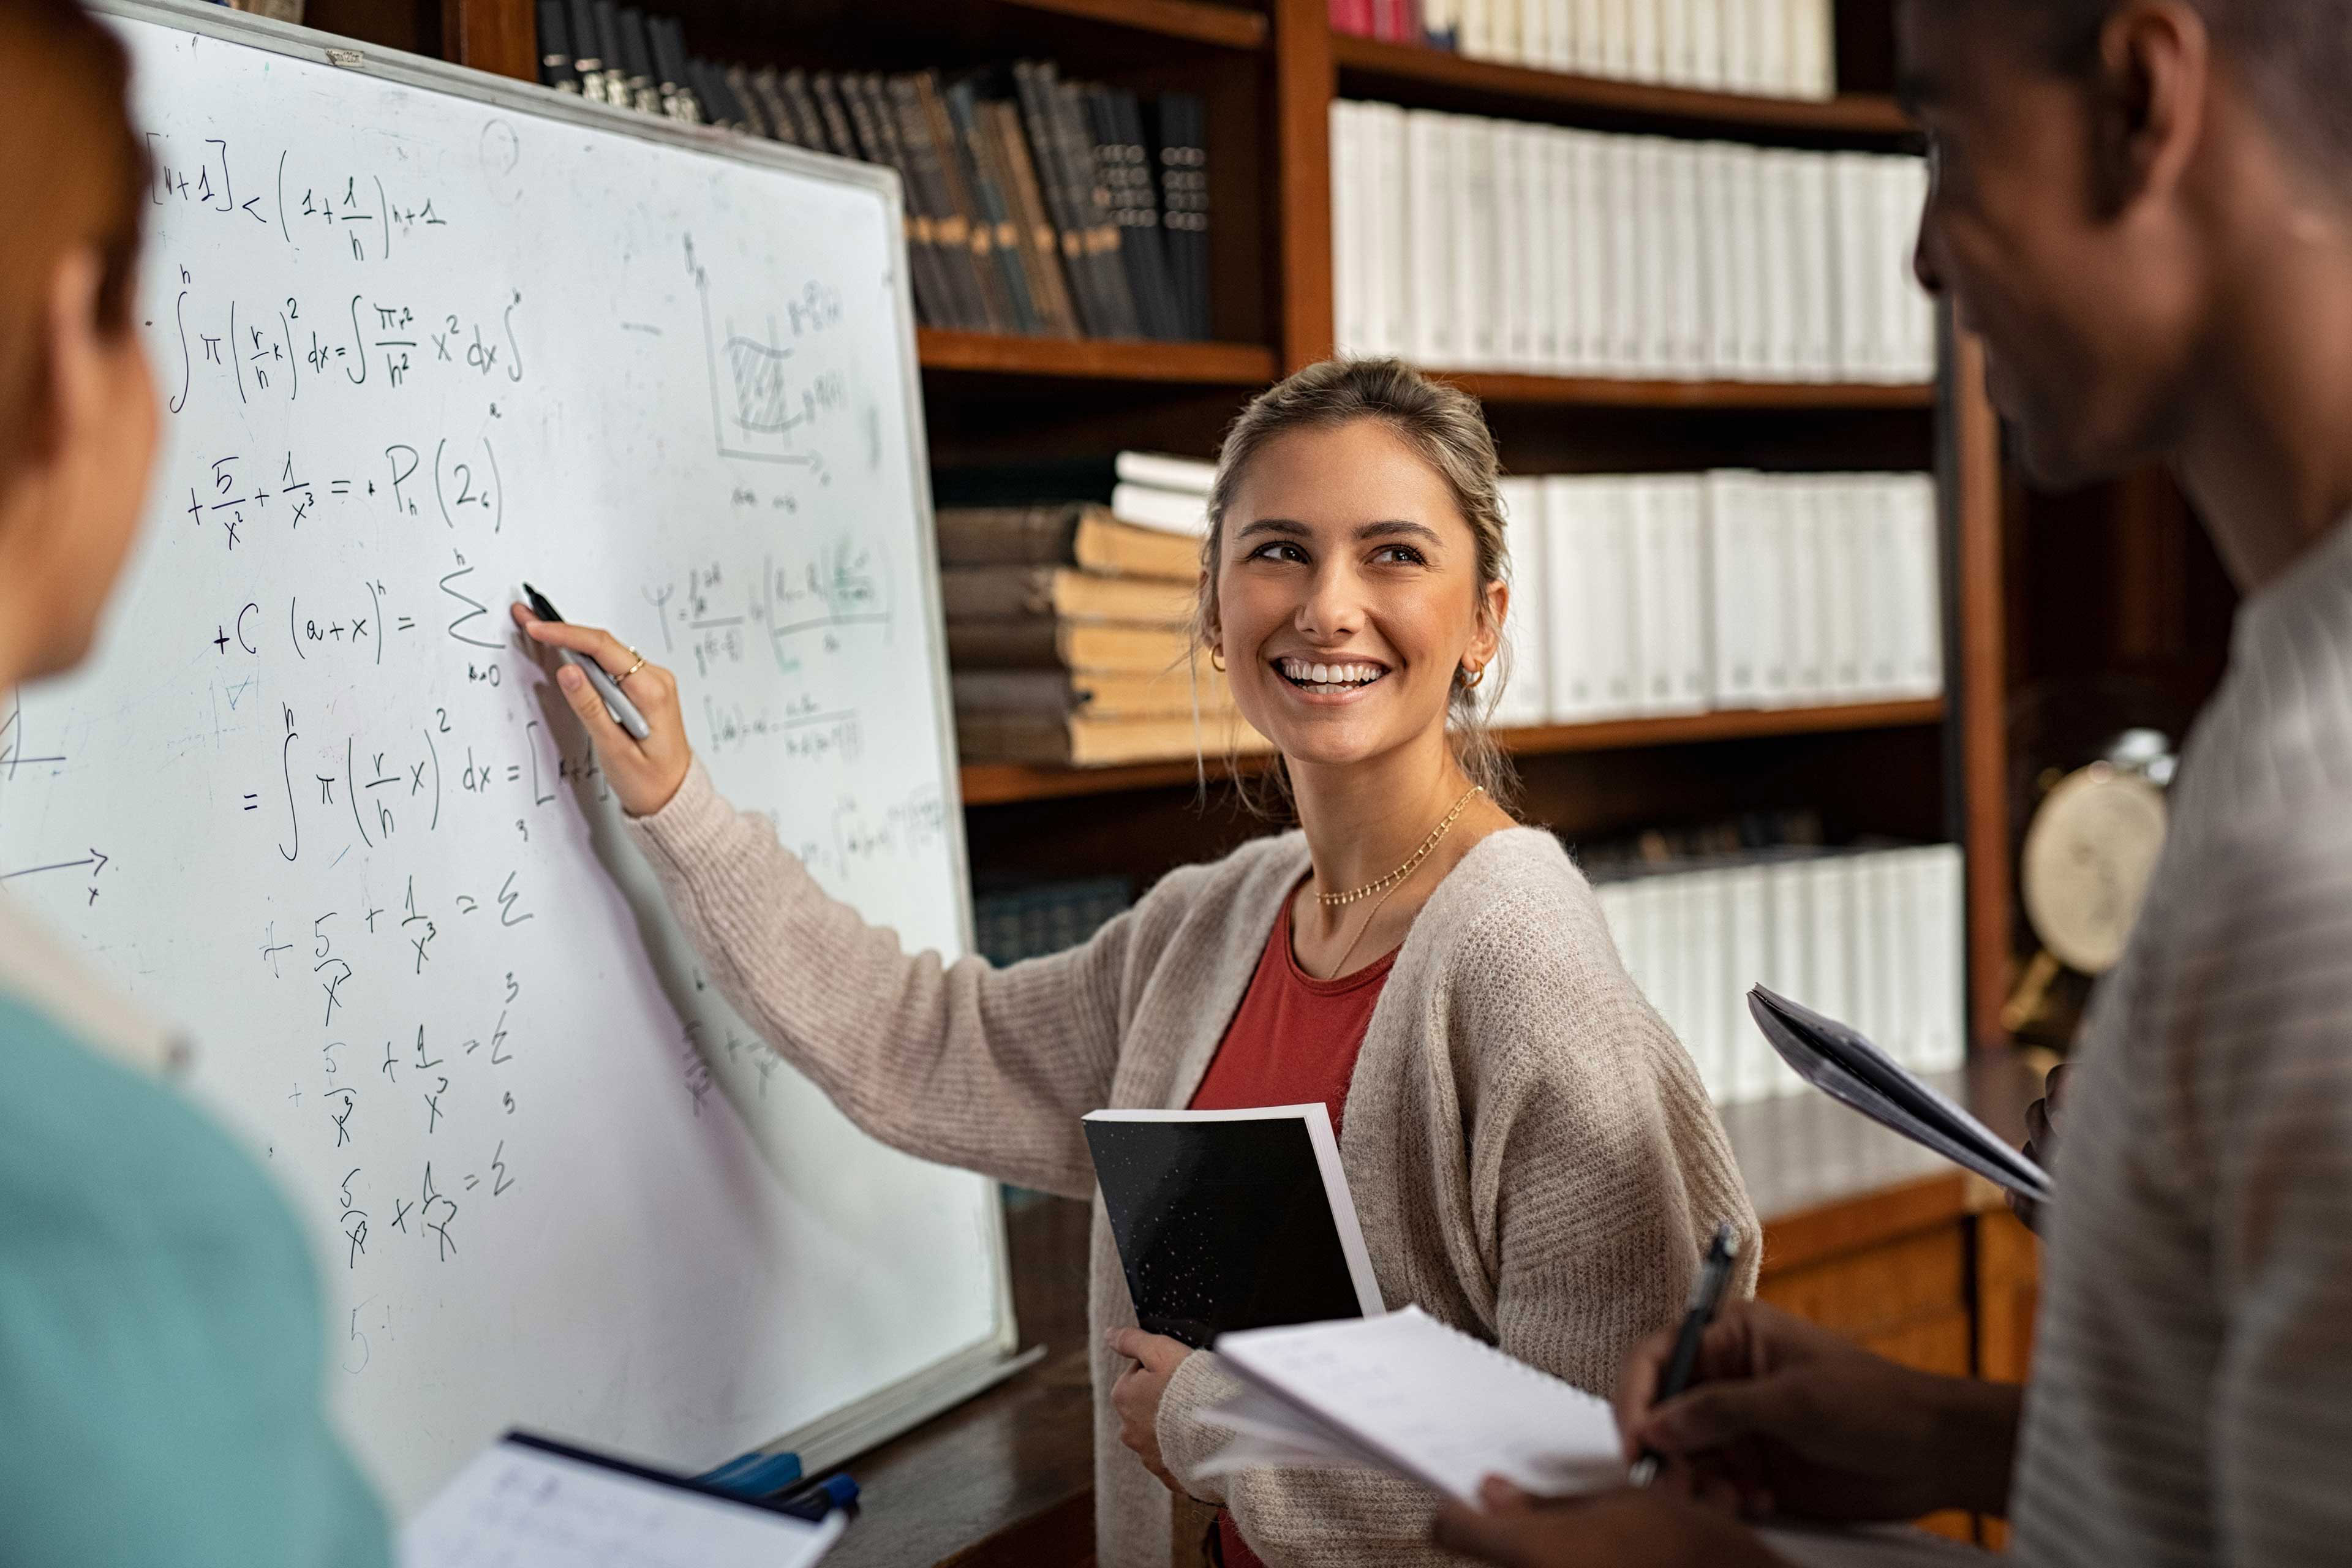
(1532, 1157)
(2191, 1397)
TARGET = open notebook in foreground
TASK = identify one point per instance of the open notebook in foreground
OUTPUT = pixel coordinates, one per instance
(526, 1502)
(1408, 1395)
(1405, 1393)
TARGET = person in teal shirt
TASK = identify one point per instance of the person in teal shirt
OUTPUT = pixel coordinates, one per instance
(161, 1339)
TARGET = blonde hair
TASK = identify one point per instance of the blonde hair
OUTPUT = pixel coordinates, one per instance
(1448, 431)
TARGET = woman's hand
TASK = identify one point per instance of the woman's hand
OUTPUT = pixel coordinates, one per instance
(1654, 1528)
(1802, 1424)
(1136, 1394)
(644, 773)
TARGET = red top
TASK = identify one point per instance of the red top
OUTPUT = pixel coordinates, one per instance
(1293, 1041)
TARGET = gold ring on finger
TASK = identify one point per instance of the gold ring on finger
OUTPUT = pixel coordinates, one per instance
(633, 668)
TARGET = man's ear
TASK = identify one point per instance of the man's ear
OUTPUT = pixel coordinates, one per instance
(2147, 84)
(67, 385)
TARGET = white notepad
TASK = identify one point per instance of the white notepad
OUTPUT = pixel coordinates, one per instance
(521, 1504)
(1407, 1393)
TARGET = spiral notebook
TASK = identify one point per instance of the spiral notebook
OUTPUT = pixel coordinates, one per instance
(1407, 1393)
(528, 1502)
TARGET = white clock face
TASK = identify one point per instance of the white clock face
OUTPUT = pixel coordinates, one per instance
(2088, 857)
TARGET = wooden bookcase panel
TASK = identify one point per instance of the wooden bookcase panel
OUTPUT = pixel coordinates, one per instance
(1422, 78)
(1003, 358)
(1612, 392)
(995, 783)
(1086, 35)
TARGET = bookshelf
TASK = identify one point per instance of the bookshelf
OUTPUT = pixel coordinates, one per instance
(1015, 1466)
(1269, 71)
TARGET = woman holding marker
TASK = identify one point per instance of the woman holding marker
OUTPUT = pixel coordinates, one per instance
(161, 1339)
(1532, 1154)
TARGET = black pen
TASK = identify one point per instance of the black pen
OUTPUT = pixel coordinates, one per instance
(1707, 1295)
(624, 711)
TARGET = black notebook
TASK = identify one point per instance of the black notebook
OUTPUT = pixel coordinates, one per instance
(1230, 1219)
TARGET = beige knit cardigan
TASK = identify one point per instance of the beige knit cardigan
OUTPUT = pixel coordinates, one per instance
(1532, 1157)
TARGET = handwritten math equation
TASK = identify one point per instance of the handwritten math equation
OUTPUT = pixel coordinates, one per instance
(215, 342)
(718, 616)
(338, 209)
(456, 480)
(417, 1120)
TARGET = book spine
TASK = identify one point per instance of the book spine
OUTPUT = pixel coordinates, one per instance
(980, 173)
(933, 295)
(947, 226)
(980, 234)
(585, 61)
(1184, 189)
(555, 67)
(1527, 622)
(1041, 245)
(1113, 175)
(840, 136)
(1007, 535)
(1126, 114)
(781, 126)
(754, 110)
(1032, 87)
(808, 124)
(1090, 199)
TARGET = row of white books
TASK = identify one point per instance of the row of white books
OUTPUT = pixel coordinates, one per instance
(1778, 48)
(1652, 594)
(1470, 244)
(1872, 938)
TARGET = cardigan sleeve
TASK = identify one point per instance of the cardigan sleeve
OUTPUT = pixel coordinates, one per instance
(1594, 1170)
(959, 1063)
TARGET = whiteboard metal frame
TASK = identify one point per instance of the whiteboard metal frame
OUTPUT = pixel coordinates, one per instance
(896, 1407)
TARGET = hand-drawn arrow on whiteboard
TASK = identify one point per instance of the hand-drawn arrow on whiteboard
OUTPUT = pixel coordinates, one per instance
(94, 860)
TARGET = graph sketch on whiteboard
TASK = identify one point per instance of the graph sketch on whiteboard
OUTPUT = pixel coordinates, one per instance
(758, 401)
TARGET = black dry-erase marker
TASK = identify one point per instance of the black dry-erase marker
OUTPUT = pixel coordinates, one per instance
(624, 711)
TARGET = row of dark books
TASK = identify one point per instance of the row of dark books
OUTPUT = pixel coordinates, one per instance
(1035, 205)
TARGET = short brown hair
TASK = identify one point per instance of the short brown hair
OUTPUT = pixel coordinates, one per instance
(1448, 429)
(2295, 56)
(75, 175)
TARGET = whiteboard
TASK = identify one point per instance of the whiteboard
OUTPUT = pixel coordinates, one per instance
(418, 335)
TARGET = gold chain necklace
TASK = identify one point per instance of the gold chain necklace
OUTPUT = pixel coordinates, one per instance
(1337, 900)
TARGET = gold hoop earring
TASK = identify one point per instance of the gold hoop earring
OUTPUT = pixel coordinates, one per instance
(1471, 678)
(1217, 659)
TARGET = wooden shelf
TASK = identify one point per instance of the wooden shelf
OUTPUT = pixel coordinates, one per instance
(1438, 78)
(1193, 21)
(1096, 359)
(1609, 392)
(1000, 783)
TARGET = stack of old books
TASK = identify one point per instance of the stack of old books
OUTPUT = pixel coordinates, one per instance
(1070, 621)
